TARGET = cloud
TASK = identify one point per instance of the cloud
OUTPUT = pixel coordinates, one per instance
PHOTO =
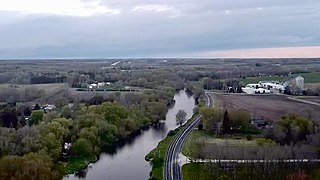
(56, 7)
(157, 8)
(283, 52)
(159, 28)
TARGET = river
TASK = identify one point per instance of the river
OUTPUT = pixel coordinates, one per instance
(128, 161)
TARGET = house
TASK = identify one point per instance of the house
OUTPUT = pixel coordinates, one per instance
(98, 85)
(260, 123)
(274, 86)
(49, 108)
(93, 86)
(255, 89)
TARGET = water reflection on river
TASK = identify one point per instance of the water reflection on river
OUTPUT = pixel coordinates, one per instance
(128, 162)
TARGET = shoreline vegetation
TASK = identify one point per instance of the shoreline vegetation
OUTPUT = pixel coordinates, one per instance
(78, 163)
(156, 156)
(99, 125)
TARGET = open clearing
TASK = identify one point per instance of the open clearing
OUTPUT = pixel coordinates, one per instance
(200, 138)
(270, 107)
(48, 88)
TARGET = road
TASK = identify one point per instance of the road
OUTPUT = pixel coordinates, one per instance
(172, 170)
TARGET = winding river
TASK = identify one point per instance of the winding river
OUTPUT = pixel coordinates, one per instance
(128, 161)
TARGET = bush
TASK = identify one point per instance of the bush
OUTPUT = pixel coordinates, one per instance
(249, 137)
(36, 117)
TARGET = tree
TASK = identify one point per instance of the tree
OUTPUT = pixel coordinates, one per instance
(66, 112)
(98, 78)
(31, 166)
(49, 116)
(8, 118)
(82, 147)
(27, 111)
(60, 102)
(226, 124)
(240, 120)
(211, 118)
(181, 116)
(36, 117)
(207, 83)
(292, 128)
(36, 107)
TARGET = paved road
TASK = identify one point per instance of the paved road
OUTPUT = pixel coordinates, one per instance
(172, 170)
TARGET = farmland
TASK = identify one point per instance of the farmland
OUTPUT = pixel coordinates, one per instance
(270, 107)
(312, 77)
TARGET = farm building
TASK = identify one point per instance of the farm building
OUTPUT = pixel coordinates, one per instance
(255, 89)
(273, 86)
(295, 85)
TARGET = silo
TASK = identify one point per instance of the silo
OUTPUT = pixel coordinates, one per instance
(300, 82)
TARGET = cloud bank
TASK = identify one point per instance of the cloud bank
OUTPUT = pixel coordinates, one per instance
(141, 28)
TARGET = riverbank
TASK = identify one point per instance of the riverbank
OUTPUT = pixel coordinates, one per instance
(77, 164)
(156, 156)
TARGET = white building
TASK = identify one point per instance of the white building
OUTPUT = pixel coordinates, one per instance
(255, 89)
(273, 86)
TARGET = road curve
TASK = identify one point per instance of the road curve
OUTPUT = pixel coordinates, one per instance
(172, 169)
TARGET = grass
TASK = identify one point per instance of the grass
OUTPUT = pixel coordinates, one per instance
(75, 164)
(312, 77)
(196, 171)
(252, 80)
(199, 138)
(157, 155)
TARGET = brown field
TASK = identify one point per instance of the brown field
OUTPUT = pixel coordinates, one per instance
(270, 107)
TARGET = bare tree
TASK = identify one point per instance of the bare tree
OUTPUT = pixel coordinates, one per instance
(181, 116)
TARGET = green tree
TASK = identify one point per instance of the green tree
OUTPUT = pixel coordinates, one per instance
(240, 120)
(50, 116)
(292, 128)
(82, 147)
(36, 117)
(30, 166)
(66, 112)
(211, 117)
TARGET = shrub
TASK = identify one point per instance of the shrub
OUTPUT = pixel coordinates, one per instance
(249, 137)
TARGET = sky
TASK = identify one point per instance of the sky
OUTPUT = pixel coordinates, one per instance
(159, 28)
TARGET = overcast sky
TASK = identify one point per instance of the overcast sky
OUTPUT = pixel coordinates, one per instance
(159, 28)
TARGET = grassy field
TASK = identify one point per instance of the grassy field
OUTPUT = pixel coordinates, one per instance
(253, 80)
(313, 77)
(200, 138)
(195, 171)
(205, 171)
